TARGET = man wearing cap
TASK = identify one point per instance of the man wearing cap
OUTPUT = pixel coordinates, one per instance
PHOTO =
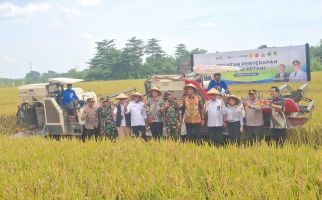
(122, 119)
(297, 75)
(90, 117)
(171, 111)
(214, 109)
(218, 84)
(154, 113)
(105, 116)
(193, 111)
(138, 115)
(254, 117)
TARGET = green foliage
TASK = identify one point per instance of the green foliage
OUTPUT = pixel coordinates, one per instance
(33, 76)
(316, 64)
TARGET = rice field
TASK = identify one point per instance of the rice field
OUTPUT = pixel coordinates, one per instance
(38, 168)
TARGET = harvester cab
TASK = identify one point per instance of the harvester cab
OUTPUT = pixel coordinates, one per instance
(42, 107)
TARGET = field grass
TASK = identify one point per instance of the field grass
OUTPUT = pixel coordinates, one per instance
(36, 168)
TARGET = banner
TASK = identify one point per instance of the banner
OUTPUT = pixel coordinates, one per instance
(274, 64)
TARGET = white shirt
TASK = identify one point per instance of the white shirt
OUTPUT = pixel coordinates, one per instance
(138, 113)
(215, 113)
(234, 114)
(300, 76)
(123, 123)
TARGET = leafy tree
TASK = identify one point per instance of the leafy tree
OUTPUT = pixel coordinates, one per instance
(33, 77)
(316, 64)
(106, 58)
(153, 48)
(131, 59)
(181, 51)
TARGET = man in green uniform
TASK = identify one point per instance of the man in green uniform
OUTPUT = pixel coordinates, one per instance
(170, 111)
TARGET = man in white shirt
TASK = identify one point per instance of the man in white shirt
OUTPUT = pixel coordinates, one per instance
(138, 115)
(297, 75)
(214, 108)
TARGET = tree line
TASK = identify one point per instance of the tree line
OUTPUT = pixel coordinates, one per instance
(137, 59)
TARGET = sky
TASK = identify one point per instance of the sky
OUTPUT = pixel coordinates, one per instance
(59, 35)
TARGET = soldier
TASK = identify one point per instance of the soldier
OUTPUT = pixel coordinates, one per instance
(171, 112)
(105, 115)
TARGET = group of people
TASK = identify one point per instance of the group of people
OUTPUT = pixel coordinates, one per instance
(297, 75)
(132, 115)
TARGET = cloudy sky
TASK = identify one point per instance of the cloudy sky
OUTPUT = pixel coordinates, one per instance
(57, 35)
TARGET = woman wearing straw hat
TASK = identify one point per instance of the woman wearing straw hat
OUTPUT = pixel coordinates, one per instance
(122, 119)
(233, 118)
(138, 115)
(154, 113)
(105, 115)
(193, 111)
(214, 108)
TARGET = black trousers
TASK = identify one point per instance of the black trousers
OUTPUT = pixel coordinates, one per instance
(192, 129)
(90, 133)
(279, 135)
(234, 131)
(216, 135)
(156, 129)
(254, 133)
(137, 130)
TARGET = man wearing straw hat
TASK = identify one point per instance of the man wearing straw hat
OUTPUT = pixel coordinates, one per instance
(122, 119)
(193, 110)
(214, 109)
(154, 113)
(138, 115)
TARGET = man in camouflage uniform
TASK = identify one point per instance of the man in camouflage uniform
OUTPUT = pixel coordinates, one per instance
(107, 124)
(170, 111)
